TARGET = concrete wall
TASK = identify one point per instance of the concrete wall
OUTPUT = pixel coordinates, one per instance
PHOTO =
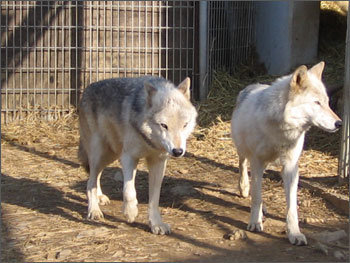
(286, 34)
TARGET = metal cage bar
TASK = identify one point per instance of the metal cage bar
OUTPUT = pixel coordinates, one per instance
(345, 139)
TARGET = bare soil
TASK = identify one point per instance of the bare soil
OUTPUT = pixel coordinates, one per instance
(44, 204)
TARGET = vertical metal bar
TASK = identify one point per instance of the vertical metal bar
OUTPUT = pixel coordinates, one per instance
(132, 38)
(125, 40)
(41, 56)
(111, 29)
(187, 38)
(91, 45)
(97, 7)
(180, 46)
(21, 61)
(194, 83)
(146, 43)
(70, 46)
(160, 38)
(174, 37)
(345, 139)
(203, 36)
(118, 44)
(13, 63)
(76, 87)
(139, 37)
(213, 39)
(105, 40)
(28, 60)
(152, 37)
(222, 34)
(63, 52)
(49, 63)
(56, 62)
(6, 69)
(166, 39)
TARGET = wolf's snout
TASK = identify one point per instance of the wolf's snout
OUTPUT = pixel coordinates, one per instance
(177, 152)
(338, 124)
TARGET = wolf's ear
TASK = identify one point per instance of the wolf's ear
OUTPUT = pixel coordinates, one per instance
(298, 77)
(150, 91)
(317, 70)
(184, 87)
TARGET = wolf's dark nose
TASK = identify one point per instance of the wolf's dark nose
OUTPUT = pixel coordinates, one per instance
(177, 152)
(338, 124)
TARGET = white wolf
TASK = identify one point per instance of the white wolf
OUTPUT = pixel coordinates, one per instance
(269, 123)
(129, 119)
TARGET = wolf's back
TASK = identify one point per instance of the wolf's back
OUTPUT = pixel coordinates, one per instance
(112, 92)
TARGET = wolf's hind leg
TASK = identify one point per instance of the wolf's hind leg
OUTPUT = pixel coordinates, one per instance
(100, 156)
(256, 214)
(102, 199)
(243, 185)
(130, 209)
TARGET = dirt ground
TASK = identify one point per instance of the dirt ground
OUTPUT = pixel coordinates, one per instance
(44, 204)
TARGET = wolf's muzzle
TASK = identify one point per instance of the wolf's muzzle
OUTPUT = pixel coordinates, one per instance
(177, 152)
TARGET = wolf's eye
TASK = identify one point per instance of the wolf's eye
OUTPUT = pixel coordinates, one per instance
(164, 126)
(185, 125)
(318, 103)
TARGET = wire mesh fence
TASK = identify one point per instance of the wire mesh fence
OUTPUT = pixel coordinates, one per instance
(231, 34)
(51, 50)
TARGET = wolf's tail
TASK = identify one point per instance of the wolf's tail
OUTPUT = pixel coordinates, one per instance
(83, 157)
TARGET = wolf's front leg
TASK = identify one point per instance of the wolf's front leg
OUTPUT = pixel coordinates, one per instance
(290, 180)
(243, 185)
(290, 177)
(156, 173)
(130, 209)
(256, 214)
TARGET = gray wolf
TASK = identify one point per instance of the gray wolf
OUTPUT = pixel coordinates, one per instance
(269, 123)
(128, 119)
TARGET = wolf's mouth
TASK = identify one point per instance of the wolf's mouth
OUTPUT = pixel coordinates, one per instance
(330, 130)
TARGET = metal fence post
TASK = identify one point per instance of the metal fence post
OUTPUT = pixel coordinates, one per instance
(203, 50)
(345, 151)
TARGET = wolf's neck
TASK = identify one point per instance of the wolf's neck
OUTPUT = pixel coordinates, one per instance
(280, 111)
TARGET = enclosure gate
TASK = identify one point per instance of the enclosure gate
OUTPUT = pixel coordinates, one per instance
(51, 50)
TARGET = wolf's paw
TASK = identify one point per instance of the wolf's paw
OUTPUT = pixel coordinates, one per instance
(244, 192)
(244, 189)
(160, 229)
(130, 211)
(255, 227)
(95, 214)
(103, 200)
(297, 239)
